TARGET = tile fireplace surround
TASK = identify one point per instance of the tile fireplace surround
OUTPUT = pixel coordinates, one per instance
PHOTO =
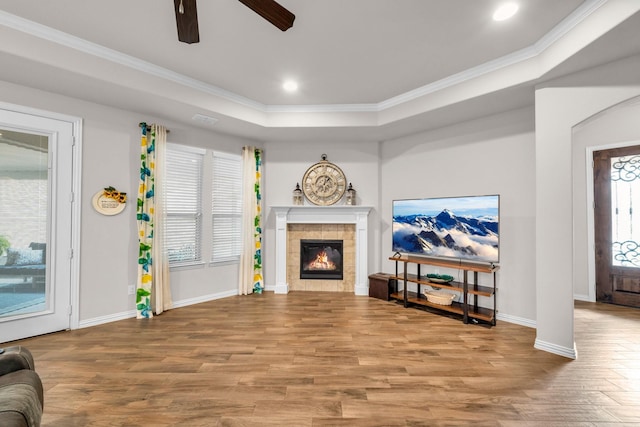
(357, 215)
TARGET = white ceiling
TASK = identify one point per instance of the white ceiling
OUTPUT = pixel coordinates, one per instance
(367, 69)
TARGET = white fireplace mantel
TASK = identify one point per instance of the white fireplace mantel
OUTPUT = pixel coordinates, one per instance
(322, 215)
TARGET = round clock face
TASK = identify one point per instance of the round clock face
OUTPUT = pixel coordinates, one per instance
(324, 183)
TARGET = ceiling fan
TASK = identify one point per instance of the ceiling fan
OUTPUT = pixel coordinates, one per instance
(187, 17)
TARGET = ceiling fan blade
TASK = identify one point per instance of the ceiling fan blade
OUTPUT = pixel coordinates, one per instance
(272, 12)
(187, 21)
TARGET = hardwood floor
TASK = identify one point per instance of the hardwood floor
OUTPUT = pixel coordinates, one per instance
(334, 359)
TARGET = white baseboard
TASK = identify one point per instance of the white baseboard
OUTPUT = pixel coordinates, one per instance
(204, 298)
(362, 290)
(282, 288)
(585, 298)
(132, 313)
(516, 320)
(571, 353)
(106, 319)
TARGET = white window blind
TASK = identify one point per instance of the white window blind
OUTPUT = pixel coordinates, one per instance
(226, 207)
(183, 204)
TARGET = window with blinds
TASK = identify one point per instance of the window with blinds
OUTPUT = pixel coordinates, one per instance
(226, 207)
(183, 204)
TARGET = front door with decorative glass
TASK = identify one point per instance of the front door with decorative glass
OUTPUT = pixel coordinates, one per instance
(617, 225)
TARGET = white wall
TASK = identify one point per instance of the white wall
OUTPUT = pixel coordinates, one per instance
(560, 106)
(285, 165)
(109, 245)
(492, 155)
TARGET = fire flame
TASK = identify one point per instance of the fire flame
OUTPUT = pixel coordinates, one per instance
(322, 262)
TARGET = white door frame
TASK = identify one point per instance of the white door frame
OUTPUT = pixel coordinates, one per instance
(75, 199)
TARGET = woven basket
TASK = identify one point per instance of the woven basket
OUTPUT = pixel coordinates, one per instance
(440, 298)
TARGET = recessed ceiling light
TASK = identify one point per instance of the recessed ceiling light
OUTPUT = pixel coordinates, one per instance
(290, 86)
(505, 11)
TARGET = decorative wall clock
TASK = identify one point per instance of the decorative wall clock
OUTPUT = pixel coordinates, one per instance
(324, 183)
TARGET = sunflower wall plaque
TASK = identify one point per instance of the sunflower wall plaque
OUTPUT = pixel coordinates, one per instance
(109, 201)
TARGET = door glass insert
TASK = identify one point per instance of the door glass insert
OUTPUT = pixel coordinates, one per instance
(24, 206)
(625, 222)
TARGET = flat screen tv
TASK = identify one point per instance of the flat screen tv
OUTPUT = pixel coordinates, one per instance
(450, 227)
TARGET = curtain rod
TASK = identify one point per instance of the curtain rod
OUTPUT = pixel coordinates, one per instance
(148, 127)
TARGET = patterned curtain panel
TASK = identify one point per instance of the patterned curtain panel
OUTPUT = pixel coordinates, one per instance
(161, 290)
(251, 279)
(153, 272)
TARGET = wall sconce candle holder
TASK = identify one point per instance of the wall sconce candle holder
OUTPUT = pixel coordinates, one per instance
(297, 196)
(351, 195)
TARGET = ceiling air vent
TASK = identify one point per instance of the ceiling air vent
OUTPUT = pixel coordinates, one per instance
(204, 119)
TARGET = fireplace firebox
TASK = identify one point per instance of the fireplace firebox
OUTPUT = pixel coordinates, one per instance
(321, 259)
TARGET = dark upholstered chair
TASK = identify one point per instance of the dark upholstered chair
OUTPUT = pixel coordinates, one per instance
(21, 392)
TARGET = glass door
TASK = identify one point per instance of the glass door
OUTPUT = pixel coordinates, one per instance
(36, 158)
(24, 193)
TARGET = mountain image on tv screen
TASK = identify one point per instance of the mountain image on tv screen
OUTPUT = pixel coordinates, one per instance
(451, 227)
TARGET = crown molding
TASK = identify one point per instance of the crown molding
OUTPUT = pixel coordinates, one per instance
(324, 108)
(64, 39)
(566, 25)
